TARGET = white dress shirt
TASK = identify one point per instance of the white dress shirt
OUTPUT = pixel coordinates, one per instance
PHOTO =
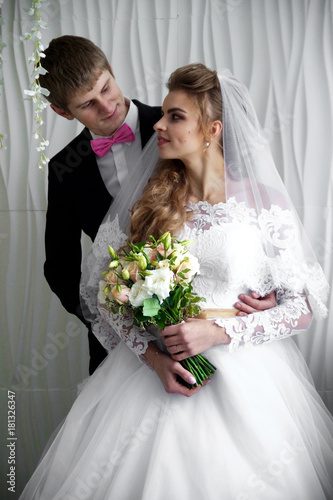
(116, 165)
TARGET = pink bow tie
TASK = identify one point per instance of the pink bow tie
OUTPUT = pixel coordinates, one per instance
(103, 145)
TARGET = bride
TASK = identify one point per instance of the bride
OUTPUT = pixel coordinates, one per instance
(257, 430)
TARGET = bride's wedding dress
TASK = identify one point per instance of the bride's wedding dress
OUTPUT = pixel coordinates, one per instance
(257, 431)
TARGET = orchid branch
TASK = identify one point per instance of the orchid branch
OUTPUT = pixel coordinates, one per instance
(36, 91)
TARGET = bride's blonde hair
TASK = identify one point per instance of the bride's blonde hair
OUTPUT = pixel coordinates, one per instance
(163, 204)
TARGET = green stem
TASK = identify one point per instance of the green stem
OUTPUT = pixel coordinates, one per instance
(206, 362)
(198, 373)
(198, 368)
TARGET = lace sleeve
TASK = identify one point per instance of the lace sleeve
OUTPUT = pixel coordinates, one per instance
(109, 328)
(292, 315)
(112, 328)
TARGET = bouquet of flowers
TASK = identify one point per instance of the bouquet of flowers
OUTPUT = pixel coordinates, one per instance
(154, 280)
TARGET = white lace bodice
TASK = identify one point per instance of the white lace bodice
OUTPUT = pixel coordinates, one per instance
(229, 244)
(227, 267)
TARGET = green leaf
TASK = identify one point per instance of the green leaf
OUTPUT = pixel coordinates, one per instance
(151, 307)
(159, 257)
(182, 273)
(139, 246)
(126, 253)
(195, 300)
(160, 323)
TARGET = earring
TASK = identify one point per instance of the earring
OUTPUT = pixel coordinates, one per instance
(207, 144)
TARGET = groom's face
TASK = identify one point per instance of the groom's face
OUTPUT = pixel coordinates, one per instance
(102, 109)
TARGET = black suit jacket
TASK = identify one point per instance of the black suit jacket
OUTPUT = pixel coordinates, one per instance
(78, 201)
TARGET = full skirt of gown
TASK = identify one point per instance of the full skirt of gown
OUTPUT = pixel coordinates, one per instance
(257, 431)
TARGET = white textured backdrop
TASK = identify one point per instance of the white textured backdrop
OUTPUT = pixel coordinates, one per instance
(281, 49)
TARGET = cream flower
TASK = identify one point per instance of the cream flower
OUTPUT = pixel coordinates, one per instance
(133, 269)
(163, 263)
(121, 296)
(192, 265)
(111, 278)
(161, 250)
(150, 252)
(158, 283)
(138, 294)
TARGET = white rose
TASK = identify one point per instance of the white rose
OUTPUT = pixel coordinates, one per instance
(158, 283)
(138, 294)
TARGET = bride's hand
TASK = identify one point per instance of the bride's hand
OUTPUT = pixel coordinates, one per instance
(168, 370)
(192, 337)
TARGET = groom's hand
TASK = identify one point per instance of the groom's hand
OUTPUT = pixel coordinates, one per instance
(254, 303)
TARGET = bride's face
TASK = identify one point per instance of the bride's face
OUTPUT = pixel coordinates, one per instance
(179, 130)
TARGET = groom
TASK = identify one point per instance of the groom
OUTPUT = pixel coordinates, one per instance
(82, 183)
(85, 176)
